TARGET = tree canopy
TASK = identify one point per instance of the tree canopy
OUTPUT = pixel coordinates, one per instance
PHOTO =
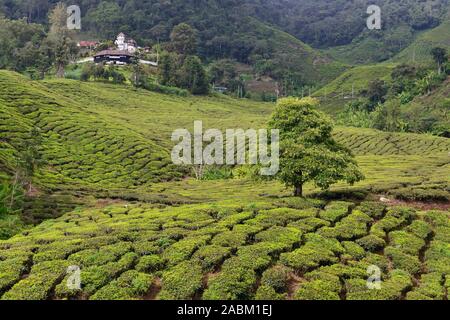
(308, 151)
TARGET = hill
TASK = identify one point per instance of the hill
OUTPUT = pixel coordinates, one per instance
(111, 141)
(419, 50)
(348, 86)
(141, 232)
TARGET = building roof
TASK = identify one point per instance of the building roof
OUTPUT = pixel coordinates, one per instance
(87, 43)
(113, 53)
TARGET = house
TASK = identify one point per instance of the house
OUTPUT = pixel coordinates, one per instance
(86, 47)
(113, 57)
(124, 44)
(87, 44)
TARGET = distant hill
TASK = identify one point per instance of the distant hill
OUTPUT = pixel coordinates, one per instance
(419, 50)
(225, 30)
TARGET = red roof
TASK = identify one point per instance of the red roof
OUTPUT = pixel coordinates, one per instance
(87, 43)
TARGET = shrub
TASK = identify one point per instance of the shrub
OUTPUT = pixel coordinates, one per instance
(335, 211)
(234, 219)
(258, 256)
(402, 260)
(375, 259)
(211, 256)
(354, 250)
(407, 242)
(276, 277)
(338, 270)
(283, 235)
(280, 216)
(437, 257)
(268, 293)
(129, 285)
(319, 290)
(182, 281)
(372, 209)
(235, 282)
(316, 251)
(371, 243)
(309, 224)
(431, 286)
(232, 239)
(394, 218)
(43, 277)
(420, 229)
(11, 271)
(307, 257)
(183, 249)
(299, 203)
(95, 277)
(146, 247)
(391, 289)
(437, 218)
(165, 89)
(350, 227)
(150, 263)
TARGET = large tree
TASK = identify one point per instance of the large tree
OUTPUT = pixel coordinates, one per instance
(60, 36)
(183, 39)
(192, 76)
(308, 151)
(440, 57)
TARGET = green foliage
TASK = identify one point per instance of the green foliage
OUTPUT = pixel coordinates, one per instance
(211, 256)
(41, 280)
(402, 260)
(183, 39)
(183, 249)
(371, 242)
(130, 285)
(121, 259)
(182, 281)
(315, 252)
(307, 149)
(150, 263)
(391, 289)
(277, 278)
(335, 211)
(268, 293)
(354, 250)
(319, 290)
(235, 282)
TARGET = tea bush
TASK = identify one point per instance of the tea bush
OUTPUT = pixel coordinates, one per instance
(230, 252)
(182, 281)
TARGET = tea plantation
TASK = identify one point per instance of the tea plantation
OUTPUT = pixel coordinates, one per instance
(281, 249)
(113, 204)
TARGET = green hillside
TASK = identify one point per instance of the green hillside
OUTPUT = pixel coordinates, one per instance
(419, 50)
(109, 141)
(292, 56)
(140, 231)
(337, 93)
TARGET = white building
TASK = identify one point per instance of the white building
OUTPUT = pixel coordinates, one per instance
(124, 44)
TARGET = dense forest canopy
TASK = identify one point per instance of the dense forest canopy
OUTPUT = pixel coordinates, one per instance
(221, 24)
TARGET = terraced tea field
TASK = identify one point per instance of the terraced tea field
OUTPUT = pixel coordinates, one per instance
(280, 249)
(109, 141)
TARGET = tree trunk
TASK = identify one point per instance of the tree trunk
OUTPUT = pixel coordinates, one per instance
(298, 192)
(60, 70)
